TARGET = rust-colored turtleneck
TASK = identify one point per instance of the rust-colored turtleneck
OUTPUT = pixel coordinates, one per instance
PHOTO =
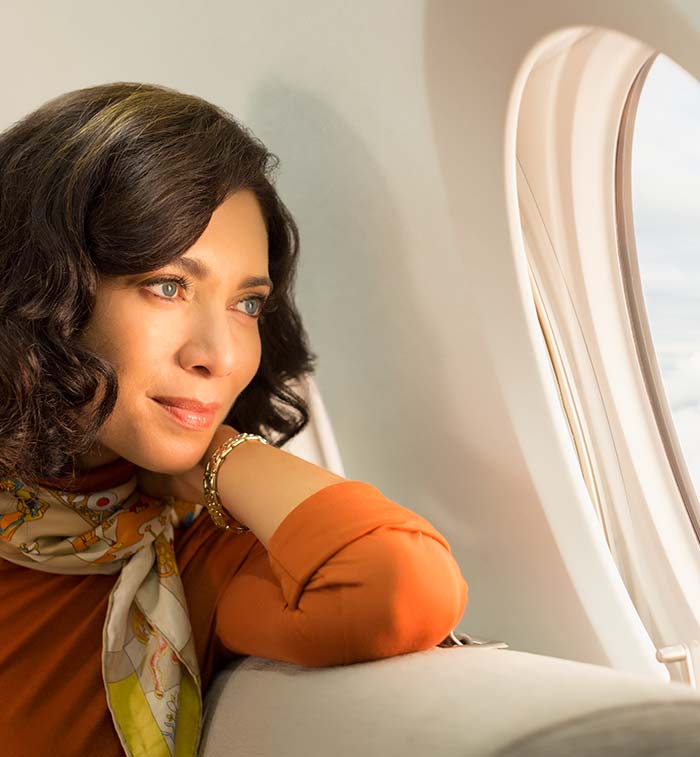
(349, 576)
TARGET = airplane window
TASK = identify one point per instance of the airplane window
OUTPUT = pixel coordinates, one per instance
(666, 210)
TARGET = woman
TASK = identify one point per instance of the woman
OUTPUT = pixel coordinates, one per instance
(151, 528)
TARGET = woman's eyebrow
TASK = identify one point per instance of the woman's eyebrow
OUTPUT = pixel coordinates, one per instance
(200, 270)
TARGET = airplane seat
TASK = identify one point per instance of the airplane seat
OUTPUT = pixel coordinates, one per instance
(448, 701)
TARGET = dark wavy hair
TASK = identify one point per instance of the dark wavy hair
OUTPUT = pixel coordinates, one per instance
(114, 180)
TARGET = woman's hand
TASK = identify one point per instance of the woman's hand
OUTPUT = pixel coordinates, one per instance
(187, 486)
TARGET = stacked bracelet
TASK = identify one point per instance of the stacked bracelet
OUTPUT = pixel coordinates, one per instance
(211, 494)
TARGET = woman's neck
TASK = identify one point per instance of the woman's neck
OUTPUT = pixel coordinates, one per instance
(96, 457)
(99, 469)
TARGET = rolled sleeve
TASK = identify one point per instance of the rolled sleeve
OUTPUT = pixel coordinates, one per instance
(348, 576)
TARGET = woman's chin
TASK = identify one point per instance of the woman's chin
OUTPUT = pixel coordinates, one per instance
(159, 453)
(172, 462)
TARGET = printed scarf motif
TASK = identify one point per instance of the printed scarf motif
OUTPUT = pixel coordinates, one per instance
(149, 665)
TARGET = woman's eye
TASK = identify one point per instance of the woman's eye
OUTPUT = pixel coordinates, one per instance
(259, 300)
(169, 284)
(172, 289)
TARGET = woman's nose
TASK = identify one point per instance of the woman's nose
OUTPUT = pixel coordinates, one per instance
(215, 345)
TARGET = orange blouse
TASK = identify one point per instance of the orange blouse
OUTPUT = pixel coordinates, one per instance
(349, 576)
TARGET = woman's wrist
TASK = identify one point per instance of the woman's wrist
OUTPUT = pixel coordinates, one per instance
(210, 476)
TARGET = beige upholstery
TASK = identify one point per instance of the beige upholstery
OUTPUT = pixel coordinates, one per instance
(444, 702)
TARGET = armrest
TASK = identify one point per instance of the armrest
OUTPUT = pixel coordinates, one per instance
(445, 702)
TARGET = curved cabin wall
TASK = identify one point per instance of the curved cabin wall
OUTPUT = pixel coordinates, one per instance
(390, 121)
(572, 546)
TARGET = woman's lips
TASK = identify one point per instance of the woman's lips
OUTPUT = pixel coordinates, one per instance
(198, 420)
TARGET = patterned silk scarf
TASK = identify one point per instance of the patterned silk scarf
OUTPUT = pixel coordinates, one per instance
(102, 524)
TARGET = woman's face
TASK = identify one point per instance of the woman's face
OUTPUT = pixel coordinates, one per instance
(200, 342)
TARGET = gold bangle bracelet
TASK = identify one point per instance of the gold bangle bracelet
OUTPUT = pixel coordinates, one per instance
(211, 494)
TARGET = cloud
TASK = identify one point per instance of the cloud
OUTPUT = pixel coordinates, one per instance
(666, 149)
(682, 384)
(687, 423)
